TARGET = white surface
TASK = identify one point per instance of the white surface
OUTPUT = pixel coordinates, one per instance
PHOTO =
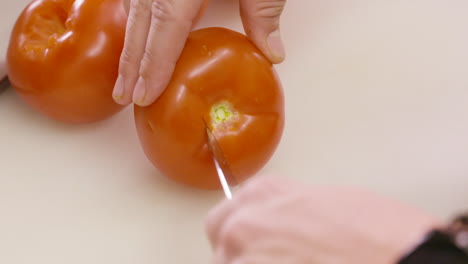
(377, 96)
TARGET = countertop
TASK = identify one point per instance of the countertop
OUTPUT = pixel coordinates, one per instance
(376, 96)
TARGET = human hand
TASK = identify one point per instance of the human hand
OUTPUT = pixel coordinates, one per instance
(156, 35)
(3, 71)
(275, 221)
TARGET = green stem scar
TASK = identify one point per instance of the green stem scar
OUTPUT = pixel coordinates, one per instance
(221, 113)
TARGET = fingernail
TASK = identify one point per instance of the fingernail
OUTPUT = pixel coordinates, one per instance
(276, 45)
(119, 89)
(140, 92)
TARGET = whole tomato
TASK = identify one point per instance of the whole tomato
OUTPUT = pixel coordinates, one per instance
(223, 79)
(63, 57)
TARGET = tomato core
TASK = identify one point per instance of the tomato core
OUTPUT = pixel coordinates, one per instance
(46, 29)
(221, 113)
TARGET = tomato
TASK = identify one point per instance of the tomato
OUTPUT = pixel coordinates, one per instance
(63, 57)
(222, 78)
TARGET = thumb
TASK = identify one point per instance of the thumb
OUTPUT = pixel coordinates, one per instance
(126, 4)
(3, 70)
(261, 20)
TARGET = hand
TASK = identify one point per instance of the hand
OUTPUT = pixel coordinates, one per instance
(273, 221)
(156, 35)
(3, 71)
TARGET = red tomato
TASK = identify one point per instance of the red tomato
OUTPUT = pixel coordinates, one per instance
(63, 57)
(223, 78)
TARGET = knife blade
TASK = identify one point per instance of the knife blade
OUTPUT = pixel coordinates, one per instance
(4, 84)
(223, 169)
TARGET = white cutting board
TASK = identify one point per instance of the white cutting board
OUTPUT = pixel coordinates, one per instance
(377, 96)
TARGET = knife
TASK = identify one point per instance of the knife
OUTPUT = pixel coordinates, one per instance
(4, 83)
(223, 169)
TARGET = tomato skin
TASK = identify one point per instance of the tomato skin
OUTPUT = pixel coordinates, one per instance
(217, 65)
(63, 57)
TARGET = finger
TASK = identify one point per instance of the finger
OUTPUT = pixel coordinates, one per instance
(261, 20)
(3, 71)
(139, 20)
(215, 220)
(256, 258)
(126, 4)
(171, 22)
(219, 257)
(255, 191)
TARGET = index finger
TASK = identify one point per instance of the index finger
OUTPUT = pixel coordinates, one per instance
(256, 191)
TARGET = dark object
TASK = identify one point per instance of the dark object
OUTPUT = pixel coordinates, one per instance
(458, 230)
(4, 84)
(448, 246)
